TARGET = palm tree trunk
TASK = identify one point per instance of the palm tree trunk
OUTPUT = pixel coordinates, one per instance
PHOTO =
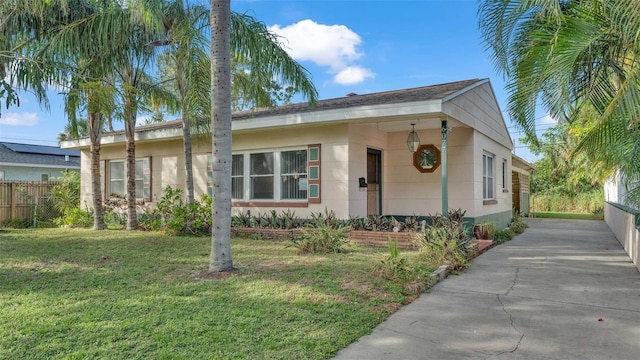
(221, 259)
(130, 110)
(188, 157)
(94, 135)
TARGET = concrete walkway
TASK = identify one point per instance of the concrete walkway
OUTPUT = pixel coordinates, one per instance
(562, 290)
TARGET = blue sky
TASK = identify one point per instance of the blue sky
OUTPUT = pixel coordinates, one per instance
(348, 46)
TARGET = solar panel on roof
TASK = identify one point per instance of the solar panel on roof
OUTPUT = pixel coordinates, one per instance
(39, 149)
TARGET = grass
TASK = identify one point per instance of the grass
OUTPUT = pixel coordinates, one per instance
(76, 294)
(565, 215)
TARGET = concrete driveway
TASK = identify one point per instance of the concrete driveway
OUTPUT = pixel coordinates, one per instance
(564, 289)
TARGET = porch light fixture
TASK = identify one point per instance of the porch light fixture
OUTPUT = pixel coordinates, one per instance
(413, 141)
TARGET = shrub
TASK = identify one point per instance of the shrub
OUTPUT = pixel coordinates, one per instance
(174, 217)
(444, 242)
(503, 235)
(517, 225)
(76, 217)
(66, 193)
(394, 267)
(321, 239)
(325, 219)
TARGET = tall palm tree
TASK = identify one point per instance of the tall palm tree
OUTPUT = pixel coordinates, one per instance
(572, 57)
(113, 40)
(221, 258)
(251, 44)
(30, 29)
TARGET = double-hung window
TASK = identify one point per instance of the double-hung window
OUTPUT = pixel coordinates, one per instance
(261, 175)
(237, 176)
(488, 183)
(117, 178)
(116, 184)
(279, 175)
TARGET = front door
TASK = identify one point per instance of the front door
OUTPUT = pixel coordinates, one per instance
(374, 182)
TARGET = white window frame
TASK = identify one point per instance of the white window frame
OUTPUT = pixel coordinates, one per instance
(488, 189)
(43, 175)
(277, 174)
(139, 177)
(1, 175)
(505, 175)
(109, 179)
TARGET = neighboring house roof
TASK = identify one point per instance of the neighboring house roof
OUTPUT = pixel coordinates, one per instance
(38, 156)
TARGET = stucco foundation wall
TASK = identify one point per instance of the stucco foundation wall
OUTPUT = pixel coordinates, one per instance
(623, 223)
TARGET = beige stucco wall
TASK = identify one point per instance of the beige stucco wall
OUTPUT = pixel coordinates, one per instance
(334, 162)
(405, 190)
(408, 191)
(362, 137)
(167, 161)
(483, 144)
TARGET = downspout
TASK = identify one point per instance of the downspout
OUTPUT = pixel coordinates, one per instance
(445, 167)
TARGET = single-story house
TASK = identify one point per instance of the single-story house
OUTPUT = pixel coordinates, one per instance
(348, 154)
(36, 162)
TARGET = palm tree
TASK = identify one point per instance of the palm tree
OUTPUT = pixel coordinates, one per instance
(221, 259)
(572, 57)
(188, 65)
(41, 62)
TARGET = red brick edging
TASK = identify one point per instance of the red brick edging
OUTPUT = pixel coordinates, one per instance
(370, 238)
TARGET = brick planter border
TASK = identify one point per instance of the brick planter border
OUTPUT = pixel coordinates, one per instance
(363, 237)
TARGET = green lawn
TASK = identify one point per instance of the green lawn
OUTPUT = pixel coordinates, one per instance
(77, 294)
(563, 215)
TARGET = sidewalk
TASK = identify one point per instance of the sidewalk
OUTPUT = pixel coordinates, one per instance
(564, 289)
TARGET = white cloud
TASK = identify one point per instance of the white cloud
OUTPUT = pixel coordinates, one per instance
(353, 75)
(20, 119)
(548, 120)
(332, 46)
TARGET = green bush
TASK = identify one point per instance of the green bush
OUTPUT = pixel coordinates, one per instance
(75, 217)
(174, 217)
(517, 225)
(394, 267)
(321, 239)
(503, 235)
(444, 242)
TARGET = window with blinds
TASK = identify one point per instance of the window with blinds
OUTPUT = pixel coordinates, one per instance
(293, 175)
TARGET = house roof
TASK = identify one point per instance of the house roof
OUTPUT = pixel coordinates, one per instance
(390, 110)
(38, 155)
(423, 93)
(521, 163)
